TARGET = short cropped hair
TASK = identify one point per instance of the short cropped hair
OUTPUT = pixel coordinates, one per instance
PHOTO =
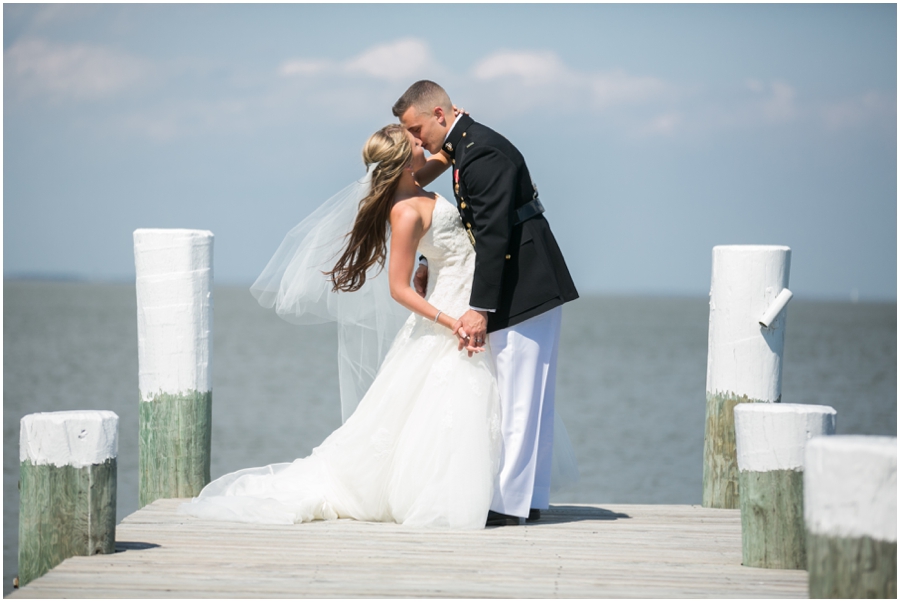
(424, 95)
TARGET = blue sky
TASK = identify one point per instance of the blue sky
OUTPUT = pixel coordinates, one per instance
(653, 131)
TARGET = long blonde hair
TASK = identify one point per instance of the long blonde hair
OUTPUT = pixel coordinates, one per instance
(367, 241)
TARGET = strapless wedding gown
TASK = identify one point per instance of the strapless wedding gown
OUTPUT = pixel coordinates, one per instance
(422, 447)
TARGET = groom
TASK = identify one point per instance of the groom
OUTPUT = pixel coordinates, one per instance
(520, 283)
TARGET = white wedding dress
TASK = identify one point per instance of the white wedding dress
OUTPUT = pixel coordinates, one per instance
(422, 447)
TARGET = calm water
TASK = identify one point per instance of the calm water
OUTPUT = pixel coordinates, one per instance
(631, 385)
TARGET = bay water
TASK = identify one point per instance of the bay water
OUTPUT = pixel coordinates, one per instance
(630, 387)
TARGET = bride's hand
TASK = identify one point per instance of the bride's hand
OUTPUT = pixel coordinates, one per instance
(457, 111)
(461, 335)
(471, 330)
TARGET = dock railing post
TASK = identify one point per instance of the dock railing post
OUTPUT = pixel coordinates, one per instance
(174, 279)
(744, 355)
(771, 443)
(850, 509)
(67, 488)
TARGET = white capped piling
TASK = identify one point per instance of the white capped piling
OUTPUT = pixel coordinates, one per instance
(174, 279)
(771, 442)
(67, 488)
(850, 508)
(744, 357)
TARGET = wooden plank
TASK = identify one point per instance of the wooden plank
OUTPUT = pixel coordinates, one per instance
(575, 551)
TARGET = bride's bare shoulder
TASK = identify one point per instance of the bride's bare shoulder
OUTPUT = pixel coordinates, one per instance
(406, 213)
(417, 208)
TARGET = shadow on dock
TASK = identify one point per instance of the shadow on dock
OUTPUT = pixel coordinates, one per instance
(571, 514)
(125, 546)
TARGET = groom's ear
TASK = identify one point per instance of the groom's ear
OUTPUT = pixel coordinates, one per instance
(440, 115)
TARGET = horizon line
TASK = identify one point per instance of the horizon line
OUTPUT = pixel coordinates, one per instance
(73, 278)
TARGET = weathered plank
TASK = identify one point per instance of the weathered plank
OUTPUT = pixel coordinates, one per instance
(574, 551)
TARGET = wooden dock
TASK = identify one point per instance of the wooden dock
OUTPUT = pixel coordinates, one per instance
(576, 551)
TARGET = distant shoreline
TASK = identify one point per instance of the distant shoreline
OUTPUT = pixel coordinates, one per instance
(65, 278)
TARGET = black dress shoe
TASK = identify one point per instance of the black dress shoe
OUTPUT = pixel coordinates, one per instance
(534, 515)
(497, 519)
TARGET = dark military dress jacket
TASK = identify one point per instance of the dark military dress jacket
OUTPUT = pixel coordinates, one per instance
(519, 270)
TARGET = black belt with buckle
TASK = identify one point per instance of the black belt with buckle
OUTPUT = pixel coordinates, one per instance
(529, 210)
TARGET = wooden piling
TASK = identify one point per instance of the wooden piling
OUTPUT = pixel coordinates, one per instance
(67, 488)
(771, 441)
(850, 508)
(744, 357)
(174, 279)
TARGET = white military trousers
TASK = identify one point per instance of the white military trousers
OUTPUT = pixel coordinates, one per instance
(525, 357)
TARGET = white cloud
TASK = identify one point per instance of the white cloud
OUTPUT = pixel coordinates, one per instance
(545, 79)
(174, 120)
(303, 67)
(779, 106)
(399, 60)
(619, 87)
(49, 14)
(754, 104)
(664, 124)
(78, 71)
(531, 68)
(856, 111)
(755, 85)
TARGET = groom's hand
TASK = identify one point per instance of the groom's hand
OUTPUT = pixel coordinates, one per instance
(420, 280)
(471, 329)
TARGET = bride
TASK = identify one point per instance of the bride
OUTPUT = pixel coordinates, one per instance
(422, 447)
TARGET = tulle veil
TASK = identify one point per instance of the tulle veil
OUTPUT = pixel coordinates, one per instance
(294, 284)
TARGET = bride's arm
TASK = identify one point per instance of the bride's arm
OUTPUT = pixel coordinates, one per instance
(406, 231)
(435, 166)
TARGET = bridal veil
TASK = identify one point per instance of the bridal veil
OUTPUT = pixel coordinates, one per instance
(294, 283)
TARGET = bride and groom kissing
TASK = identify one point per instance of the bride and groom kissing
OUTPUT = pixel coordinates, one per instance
(455, 374)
